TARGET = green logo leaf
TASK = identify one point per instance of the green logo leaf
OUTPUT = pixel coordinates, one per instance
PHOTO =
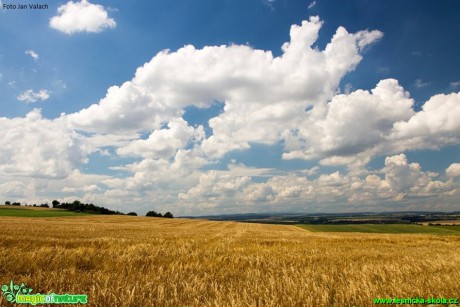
(13, 290)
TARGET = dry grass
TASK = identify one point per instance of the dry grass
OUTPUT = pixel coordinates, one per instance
(136, 261)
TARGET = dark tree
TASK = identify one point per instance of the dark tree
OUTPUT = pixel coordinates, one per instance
(154, 214)
(8, 203)
(168, 215)
(132, 213)
(55, 203)
(151, 213)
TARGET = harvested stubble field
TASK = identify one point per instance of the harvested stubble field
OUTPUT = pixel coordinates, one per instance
(138, 261)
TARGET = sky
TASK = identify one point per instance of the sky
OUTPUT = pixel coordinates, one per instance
(231, 106)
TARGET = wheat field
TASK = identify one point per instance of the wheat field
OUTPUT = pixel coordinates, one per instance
(139, 261)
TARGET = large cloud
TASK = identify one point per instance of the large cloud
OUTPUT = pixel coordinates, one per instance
(453, 170)
(402, 176)
(436, 125)
(397, 183)
(164, 143)
(34, 146)
(263, 95)
(81, 16)
(291, 100)
(350, 126)
(354, 128)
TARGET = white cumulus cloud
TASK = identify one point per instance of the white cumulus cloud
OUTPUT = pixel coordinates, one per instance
(38, 147)
(164, 142)
(402, 176)
(81, 16)
(29, 96)
(263, 95)
(453, 170)
(352, 126)
(291, 101)
(399, 180)
(435, 126)
(32, 54)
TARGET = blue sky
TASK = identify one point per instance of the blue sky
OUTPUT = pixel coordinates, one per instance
(210, 107)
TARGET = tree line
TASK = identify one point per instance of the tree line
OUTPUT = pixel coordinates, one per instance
(81, 207)
(88, 208)
(155, 214)
(8, 203)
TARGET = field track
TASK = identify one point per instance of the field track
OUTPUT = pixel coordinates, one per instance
(139, 261)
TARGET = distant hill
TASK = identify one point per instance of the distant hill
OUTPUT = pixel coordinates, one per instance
(399, 217)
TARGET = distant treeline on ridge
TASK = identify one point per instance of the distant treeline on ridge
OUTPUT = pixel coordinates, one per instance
(88, 208)
(155, 214)
(81, 207)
